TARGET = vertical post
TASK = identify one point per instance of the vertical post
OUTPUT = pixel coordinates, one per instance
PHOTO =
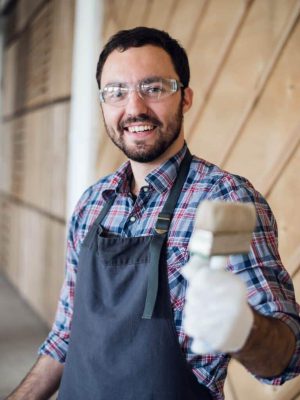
(84, 128)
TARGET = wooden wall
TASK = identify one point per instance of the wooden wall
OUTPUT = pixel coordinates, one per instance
(33, 146)
(245, 58)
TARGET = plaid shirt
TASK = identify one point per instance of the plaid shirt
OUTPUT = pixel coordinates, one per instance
(270, 290)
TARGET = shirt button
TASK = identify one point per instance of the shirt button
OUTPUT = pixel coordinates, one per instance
(132, 219)
(145, 189)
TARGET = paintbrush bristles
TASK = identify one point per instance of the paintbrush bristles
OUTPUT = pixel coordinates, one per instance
(221, 216)
(223, 228)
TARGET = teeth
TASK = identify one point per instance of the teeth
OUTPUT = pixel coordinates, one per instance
(140, 128)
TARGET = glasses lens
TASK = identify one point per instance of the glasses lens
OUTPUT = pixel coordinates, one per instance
(152, 89)
(114, 93)
(158, 88)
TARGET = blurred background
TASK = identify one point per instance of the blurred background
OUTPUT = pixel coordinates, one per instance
(244, 56)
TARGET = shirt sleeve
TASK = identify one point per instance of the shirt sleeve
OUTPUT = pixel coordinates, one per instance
(270, 288)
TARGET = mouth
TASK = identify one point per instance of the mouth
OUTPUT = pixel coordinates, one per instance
(140, 130)
(141, 126)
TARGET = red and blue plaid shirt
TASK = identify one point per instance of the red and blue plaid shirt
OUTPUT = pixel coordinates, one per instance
(270, 290)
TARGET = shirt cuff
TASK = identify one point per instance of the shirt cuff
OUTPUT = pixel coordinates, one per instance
(55, 347)
(293, 368)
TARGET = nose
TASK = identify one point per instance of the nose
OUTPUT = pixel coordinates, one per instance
(135, 104)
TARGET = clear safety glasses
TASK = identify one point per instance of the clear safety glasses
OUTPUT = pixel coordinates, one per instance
(149, 89)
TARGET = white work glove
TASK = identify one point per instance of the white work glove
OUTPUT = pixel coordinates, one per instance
(216, 314)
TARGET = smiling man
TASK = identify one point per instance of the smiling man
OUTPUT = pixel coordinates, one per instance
(119, 331)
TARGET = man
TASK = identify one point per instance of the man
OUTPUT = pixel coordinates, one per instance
(123, 336)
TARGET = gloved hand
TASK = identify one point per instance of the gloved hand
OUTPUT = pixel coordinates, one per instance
(216, 314)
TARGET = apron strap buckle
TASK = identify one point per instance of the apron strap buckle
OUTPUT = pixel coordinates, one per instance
(162, 223)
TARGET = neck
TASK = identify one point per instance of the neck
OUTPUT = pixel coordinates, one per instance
(141, 170)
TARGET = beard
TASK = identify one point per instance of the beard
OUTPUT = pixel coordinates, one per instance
(141, 151)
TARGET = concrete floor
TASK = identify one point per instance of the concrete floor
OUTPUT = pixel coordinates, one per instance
(21, 333)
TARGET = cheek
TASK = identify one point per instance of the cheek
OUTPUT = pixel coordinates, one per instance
(163, 111)
(112, 117)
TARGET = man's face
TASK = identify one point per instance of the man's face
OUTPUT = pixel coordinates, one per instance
(144, 130)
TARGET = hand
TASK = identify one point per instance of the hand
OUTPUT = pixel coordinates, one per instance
(216, 314)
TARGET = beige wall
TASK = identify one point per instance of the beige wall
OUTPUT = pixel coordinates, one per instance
(33, 148)
(245, 73)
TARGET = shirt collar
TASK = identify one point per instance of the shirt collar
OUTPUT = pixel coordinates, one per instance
(161, 178)
(120, 182)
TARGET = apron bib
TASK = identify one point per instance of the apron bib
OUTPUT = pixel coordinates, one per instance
(123, 343)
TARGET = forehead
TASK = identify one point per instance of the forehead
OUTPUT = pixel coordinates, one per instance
(137, 63)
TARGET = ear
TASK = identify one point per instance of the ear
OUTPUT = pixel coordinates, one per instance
(187, 99)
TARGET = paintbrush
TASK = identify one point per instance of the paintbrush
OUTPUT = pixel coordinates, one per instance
(217, 315)
(222, 229)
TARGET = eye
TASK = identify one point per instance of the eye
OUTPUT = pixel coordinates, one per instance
(153, 89)
(115, 92)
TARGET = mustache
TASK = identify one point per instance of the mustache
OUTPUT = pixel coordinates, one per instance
(140, 118)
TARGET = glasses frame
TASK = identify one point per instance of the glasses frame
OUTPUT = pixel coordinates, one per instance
(136, 87)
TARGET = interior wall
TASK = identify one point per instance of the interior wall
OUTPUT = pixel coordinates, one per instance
(33, 142)
(245, 75)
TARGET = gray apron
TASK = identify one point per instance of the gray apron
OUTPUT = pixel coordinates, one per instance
(123, 343)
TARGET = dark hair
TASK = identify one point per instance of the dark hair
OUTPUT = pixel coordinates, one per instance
(142, 36)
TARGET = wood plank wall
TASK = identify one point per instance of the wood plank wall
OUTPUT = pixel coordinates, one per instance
(33, 143)
(244, 57)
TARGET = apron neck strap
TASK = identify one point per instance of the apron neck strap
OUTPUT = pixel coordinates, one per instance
(89, 240)
(161, 228)
(165, 216)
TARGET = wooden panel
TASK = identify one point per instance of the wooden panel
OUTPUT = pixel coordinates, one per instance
(252, 49)
(6, 152)
(36, 127)
(39, 56)
(110, 28)
(155, 18)
(9, 80)
(12, 268)
(18, 157)
(22, 71)
(118, 11)
(287, 152)
(57, 165)
(185, 21)
(284, 200)
(31, 249)
(10, 27)
(48, 58)
(273, 119)
(24, 11)
(242, 380)
(32, 253)
(5, 233)
(38, 259)
(110, 157)
(61, 55)
(55, 259)
(229, 392)
(293, 262)
(136, 14)
(211, 43)
(46, 158)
